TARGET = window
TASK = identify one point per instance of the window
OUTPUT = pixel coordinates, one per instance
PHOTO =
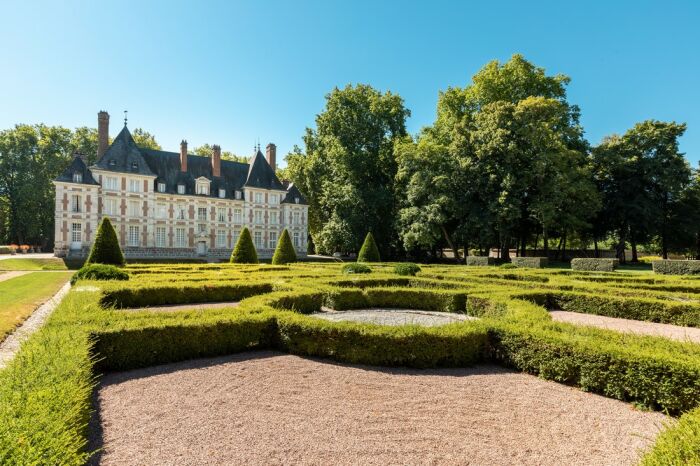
(201, 228)
(161, 187)
(134, 166)
(76, 234)
(161, 211)
(160, 237)
(112, 163)
(76, 204)
(274, 199)
(273, 239)
(111, 206)
(201, 213)
(180, 237)
(134, 186)
(110, 183)
(221, 214)
(181, 212)
(296, 218)
(273, 218)
(239, 195)
(296, 239)
(133, 235)
(296, 200)
(258, 239)
(222, 193)
(237, 216)
(77, 177)
(234, 236)
(181, 189)
(258, 219)
(258, 198)
(134, 209)
(202, 188)
(221, 238)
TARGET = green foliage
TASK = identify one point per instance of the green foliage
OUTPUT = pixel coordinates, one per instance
(355, 267)
(406, 268)
(173, 293)
(105, 249)
(676, 267)
(5, 250)
(594, 265)
(678, 445)
(480, 260)
(507, 265)
(99, 272)
(532, 262)
(284, 253)
(206, 151)
(369, 251)
(244, 252)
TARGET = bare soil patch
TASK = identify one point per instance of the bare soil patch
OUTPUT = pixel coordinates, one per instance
(270, 408)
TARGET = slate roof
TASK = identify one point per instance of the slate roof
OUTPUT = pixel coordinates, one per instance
(124, 156)
(293, 193)
(77, 166)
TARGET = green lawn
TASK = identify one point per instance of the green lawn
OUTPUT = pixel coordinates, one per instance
(21, 295)
(33, 264)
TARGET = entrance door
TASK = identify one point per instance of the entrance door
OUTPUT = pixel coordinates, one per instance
(201, 248)
(76, 236)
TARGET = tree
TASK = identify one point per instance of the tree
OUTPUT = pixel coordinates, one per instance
(369, 251)
(143, 138)
(105, 249)
(206, 151)
(347, 171)
(284, 253)
(244, 251)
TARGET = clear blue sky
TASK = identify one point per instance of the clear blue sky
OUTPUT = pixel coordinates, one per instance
(232, 72)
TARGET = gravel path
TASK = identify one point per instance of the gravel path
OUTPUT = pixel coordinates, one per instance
(7, 275)
(674, 332)
(392, 316)
(269, 408)
(184, 307)
(11, 344)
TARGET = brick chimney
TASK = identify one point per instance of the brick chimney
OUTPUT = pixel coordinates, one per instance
(102, 133)
(216, 160)
(183, 156)
(271, 155)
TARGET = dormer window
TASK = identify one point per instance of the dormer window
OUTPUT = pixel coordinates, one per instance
(181, 189)
(77, 177)
(296, 200)
(134, 165)
(238, 195)
(112, 163)
(222, 193)
(202, 189)
(161, 187)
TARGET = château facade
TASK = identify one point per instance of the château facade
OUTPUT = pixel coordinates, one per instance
(175, 205)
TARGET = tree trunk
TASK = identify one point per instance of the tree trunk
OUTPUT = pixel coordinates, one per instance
(620, 249)
(563, 247)
(633, 243)
(451, 243)
(545, 238)
(596, 253)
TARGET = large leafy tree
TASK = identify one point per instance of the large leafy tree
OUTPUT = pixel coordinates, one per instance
(348, 168)
(206, 151)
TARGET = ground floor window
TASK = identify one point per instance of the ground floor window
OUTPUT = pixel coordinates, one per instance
(235, 236)
(76, 235)
(273, 239)
(221, 238)
(76, 203)
(296, 239)
(180, 240)
(258, 239)
(133, 235)
(160, 237)
(111, 206)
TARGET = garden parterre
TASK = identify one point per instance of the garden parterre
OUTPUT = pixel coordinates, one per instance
(45, 391)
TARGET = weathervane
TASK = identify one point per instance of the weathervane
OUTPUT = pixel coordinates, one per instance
(125, 111)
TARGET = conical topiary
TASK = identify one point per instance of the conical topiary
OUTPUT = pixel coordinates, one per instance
(284, 253)
(368, 251)
(105, 249)
(244, 252)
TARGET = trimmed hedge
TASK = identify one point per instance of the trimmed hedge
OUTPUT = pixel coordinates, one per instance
(594, 265)
(244, 251)
(531, 262)
(406, 268)
(5, 250)
(480, 260)
(105, 249)
(676, 267)
(284, 253)
(679, 445)
(368, 251)
(99, 272)
(355, 267)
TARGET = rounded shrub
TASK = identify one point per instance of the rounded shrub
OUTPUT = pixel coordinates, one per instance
(105, 249)
(99, 272)
(244, 252)
(284, 253)
(406, 268)
(356, 267)
(507, 265)
(368, 251)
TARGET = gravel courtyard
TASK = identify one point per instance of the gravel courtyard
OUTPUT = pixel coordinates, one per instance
(272, 408)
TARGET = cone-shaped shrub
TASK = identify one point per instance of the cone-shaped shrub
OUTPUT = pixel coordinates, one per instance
(368, 251)
(284, 253)
(244, 252)
(105, 249)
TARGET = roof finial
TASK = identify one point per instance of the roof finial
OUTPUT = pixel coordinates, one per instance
(125, 111)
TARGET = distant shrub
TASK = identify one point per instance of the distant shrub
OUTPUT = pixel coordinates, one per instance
(244, 252)
(507, 265)
(99, 272)
(480, 260)
(284, 253)
(5, 250)
(368, 251)
(594, 265)
(406, 268)
(105, 249)
(530, 262)
(356, 267)
(676, 267)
